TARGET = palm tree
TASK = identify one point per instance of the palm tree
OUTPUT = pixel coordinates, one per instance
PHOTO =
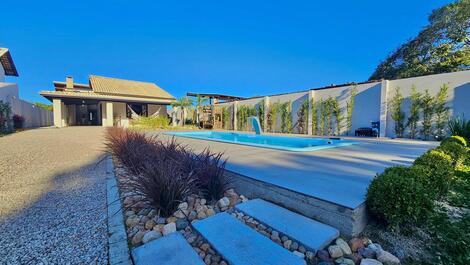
(199, 102)
(183, 103)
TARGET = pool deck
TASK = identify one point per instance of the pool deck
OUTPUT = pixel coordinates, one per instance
(337, 175)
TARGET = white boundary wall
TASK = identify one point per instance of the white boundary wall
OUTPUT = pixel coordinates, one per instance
(371, 100)
(34, 116)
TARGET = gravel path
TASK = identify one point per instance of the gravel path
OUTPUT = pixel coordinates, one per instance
(53, 197)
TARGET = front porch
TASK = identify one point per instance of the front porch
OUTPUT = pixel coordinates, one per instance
(91, 112)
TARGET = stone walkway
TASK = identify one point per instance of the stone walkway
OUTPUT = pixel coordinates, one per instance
(53, 197)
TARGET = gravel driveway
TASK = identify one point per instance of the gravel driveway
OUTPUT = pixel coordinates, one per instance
(53, 197)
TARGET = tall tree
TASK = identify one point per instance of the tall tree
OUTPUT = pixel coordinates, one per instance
(427, 107)
(415, 106)
(440, 47)
(314, 116)
(397, 114)
(441, 110)
(199, 102)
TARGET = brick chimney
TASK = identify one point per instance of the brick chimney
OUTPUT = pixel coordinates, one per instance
(69, 82)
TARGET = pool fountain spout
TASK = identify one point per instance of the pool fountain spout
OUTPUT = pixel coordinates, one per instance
(256, 124)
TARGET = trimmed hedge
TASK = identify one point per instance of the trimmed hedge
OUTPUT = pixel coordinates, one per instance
(397, 197)
(455, 139)
(435, 170)
(456, 151)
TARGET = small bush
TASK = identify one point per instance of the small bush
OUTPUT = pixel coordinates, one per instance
(397, 198)
(157, 122)
(164, 172)
(456, 151)
(455, 139)
(210, 175)
(18, 121)
(435, 170)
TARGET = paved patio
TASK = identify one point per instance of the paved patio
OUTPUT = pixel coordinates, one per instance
(339, 175)
(53, 197)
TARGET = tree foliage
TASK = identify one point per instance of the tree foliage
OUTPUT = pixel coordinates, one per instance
(441, 110)
(302, 117)
(397, 114)
(427, 107)
(442, 46)
(338, 115)
(314, 116)
(286, 117)
(415, 106)
(350, 108)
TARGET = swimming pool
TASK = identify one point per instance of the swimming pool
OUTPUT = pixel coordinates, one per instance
(288, 143)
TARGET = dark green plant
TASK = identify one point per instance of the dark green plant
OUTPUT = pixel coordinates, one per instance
(314, 116)
(397, 114)
(398, 199)
(456, 151)
(457, 139)
(261, 113)
(440, 47)
(427, 107)
(415, 107)
(323, 116)
(226, 118)
(273, 116)
(5, 117)
(350, 108)
(460, 127)
(286, 117)
(302, 117)
(435, 170)
(441, 111)
(153, 122)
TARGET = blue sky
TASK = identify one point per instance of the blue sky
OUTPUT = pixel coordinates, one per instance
(243, 48)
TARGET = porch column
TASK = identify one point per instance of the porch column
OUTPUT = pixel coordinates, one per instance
(383, 108)
(109, 114)
(57, 108)
(310, 113)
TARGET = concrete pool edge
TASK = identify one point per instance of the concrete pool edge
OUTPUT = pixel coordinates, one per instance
(274, 147)
(349, 221)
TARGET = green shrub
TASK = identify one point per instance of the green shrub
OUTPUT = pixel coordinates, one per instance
(157, 122)
(455, 139)
(435, 171)
(456, 151)
(397, 197)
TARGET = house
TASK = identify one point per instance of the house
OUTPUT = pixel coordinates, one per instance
(9, 93)
(105, 101)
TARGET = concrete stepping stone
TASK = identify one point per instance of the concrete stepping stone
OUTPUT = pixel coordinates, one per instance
(172, 249)
(310, 233)
(241, 245)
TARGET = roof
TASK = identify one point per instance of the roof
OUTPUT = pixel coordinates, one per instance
(95, 96)
(216, 96)
(7, 62)
(59, 84)
(122, 87)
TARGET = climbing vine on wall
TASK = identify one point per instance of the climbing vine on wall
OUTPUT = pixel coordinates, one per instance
(338, 115)
(314, 116)
(302, 117)
(273, 116)
(286, 117)
(243, 112)
(226, 119)
(350, 108)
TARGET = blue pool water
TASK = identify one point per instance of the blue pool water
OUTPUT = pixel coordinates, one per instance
(296, 144)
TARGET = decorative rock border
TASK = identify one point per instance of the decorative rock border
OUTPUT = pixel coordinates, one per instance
(118, 250)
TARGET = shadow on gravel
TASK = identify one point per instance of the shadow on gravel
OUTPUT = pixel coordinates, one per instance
(65, 225)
